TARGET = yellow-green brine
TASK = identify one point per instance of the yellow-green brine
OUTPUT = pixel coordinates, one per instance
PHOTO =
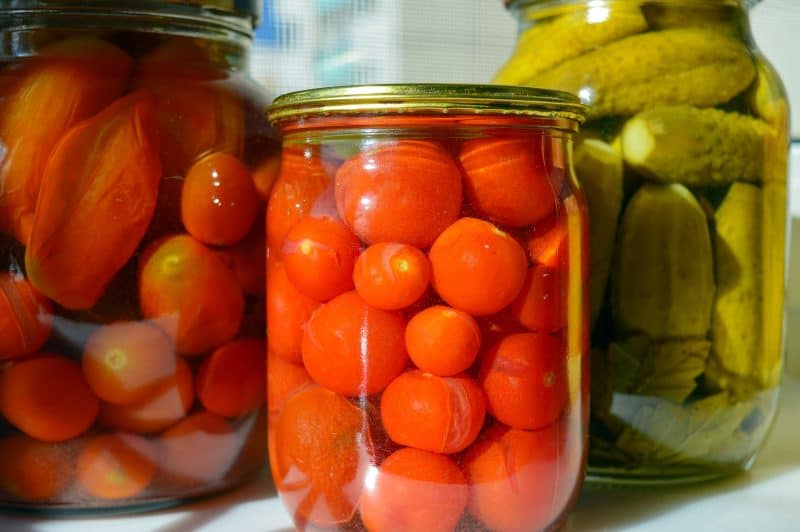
(683, 162)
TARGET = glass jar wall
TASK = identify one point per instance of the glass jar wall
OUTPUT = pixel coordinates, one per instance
(428, 343)
(135, 162)
(683, 163)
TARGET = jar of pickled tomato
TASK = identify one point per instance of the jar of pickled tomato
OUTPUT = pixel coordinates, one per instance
(135, 163)
(426, 308)
(683, 160)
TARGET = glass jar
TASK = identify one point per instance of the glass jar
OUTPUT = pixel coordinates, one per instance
(683, 163)
(427, 364)
(135, 156)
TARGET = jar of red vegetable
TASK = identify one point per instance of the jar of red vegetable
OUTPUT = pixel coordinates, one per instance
(135, 163)
(426, 308)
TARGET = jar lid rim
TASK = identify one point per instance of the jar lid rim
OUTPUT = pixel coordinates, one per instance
(419, 98)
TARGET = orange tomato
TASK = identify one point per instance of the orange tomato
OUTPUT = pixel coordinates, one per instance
(541, 304)
(391, 276)
(415, 491)
(514, 478)
(184, 283)
(322, 449)
(476, 267)
(232, 380)
(219, 202)
(406, 192)
(25, 320)
(66, 82)
(352, 348)
(283, 379)
(197, 112)
(265, 175)
(301, 180)
(547, 242)
(116, 466)
(199, 450)
(442, 340)
(288, 311)
(524, 377)
(127, 362)
(248, 260)
(319, 255)
(506, 180)
(32, 470)
(47, 398)
(97, 197)
(438, 414)
(172, 402)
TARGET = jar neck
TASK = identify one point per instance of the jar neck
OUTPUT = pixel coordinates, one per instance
(23, 29)
(727, 15)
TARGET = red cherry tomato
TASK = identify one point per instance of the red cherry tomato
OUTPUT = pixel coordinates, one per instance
(515, 478)
(442, 340)
(506, 180)
(415, 490)
(288, 311)
(525, 380)
(438, 414)
(352, 348)
(391, 276)
(319, 256)
(541, 304)
(476, 267)
(405, 192)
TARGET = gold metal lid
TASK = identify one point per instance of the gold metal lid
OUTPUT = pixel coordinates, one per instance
(426, 98)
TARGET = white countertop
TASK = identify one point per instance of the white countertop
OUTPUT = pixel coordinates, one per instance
(764, 500)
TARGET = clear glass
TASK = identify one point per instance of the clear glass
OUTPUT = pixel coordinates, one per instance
(684, 165)
(426, 323)
(135, 166)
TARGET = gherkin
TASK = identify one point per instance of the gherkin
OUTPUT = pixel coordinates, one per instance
(600, 171)
(716, 18)
(746, 329)
(662, 278)
(768, 100)
(695, 147)
(677, 66)
(546, 44)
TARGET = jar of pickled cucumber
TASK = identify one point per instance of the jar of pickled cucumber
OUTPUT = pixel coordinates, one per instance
(134, 164)
(683, 164)
(426, 317)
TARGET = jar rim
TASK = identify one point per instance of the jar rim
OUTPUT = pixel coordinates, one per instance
(241, 14)
(426, 98)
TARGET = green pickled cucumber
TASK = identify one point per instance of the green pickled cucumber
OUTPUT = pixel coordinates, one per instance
(546, 44)
(662, 278)
(768, 100)
(747, 319)
(695, 147)
(773, 249)
(600, 171)
(716, 18)
(678, 66)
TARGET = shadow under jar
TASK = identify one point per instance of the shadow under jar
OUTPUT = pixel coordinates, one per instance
(427, 325)
(135, 164)
(683, 160)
